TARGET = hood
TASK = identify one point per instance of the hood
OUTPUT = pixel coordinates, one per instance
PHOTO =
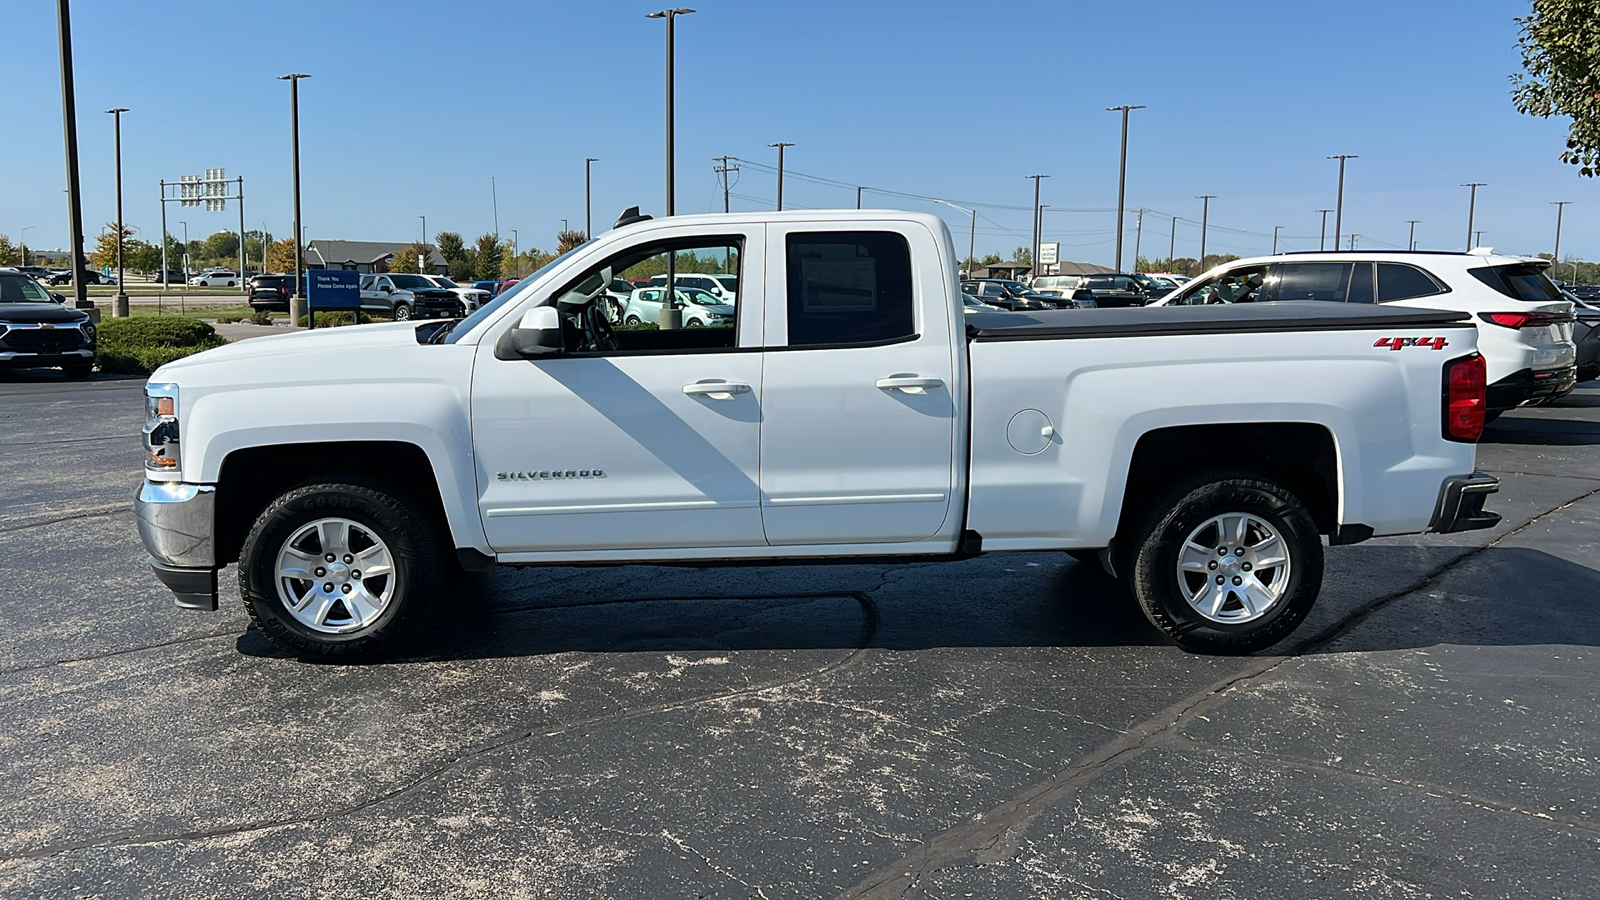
(29, 313)
(721, 309)
(315, 347)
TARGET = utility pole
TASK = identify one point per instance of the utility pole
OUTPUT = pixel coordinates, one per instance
(858, 196)
(1411, 242)
(119, 306)
(588, 210)
(671, 15)
(723, 171)
(1205, 219)
(1322, 242)
(1338, 212)
(1172, 245)
(780, 145)
(69, 115)
(1478, 241)
(422, 248)
(297, 301)
(1038, 223)
(1275, 230)
(1472, 207)
(1122, 178)
(1138, 237)
(1555, 259)
(494, 203)
(1353, 237)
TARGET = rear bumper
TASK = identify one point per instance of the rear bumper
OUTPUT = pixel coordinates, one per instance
(176, 523)
(1529, 386)
(1460, 506)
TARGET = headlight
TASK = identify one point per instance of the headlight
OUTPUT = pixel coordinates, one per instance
(87, 327)
(161, 429)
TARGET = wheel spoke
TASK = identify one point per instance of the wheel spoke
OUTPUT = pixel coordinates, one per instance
(375, 561)
(362, 605)
(335, 535)
(305, 599)
(1219, 597)
(324, 605)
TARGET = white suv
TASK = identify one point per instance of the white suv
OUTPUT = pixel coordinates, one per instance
(215, 279)
(1524, 324)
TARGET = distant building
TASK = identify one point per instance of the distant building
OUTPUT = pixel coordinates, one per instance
(366, 257)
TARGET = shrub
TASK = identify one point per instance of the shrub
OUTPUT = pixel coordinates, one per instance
(141, 345)
(261, 317)
(341, 317)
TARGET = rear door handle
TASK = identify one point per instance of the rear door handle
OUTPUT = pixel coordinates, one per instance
(911, 384)
(716, 390)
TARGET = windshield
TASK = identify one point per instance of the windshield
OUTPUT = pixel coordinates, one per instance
(16, 287)
(443, 282)
(1015, 287)
(462, 326)
(410, 282)
(1054, 282)
(698, 297)
(728, 282)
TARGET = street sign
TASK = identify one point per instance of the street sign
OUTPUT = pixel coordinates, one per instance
(333, 289)
(1049, 254)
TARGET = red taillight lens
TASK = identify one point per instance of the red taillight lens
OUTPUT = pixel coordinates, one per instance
(1466, 398)
(1507, 320)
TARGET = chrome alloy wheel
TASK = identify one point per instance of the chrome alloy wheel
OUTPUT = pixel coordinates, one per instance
(335, 576)
(1233, 568)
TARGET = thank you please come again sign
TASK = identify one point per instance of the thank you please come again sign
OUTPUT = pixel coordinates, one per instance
(333, 289)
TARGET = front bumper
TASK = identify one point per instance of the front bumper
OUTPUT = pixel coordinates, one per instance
(1530, 386)
(13, 360)
(177, 523)
(1460, 506)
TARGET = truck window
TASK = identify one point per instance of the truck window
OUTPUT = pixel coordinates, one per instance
(1241, 285)
(849, 287)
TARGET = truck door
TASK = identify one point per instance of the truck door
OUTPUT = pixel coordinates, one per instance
(647, 445)
(859, 428)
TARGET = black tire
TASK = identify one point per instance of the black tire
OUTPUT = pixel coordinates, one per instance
(78, 372)
(1188, 505)
(402, 312)
(633, 322)
(419, 567)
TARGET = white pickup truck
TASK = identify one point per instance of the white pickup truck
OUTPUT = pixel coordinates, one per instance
(849, 410)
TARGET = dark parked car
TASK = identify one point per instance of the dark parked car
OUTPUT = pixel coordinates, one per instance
(1007, 294)
(37, 331)
(1110, 291)
(271, 292)
(35, 271)
(65, 277)
(1586, 334)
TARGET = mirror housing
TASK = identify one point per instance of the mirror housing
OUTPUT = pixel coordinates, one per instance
(537, 335)
(58, 298)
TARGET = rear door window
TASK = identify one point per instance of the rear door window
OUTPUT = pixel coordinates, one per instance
(1397, 281)
(849, 287)
(1520, 281)
(1313, 281)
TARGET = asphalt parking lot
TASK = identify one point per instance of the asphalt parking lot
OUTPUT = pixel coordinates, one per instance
(1002, 727)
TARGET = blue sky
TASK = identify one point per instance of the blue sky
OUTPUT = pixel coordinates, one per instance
(413, 107)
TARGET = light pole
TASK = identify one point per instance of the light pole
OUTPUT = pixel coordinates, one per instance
(1205, 220)
(1561, 207)
(671, 16)
(972, 236)
(297, 300)
(858, 196)
(1138, 237)
(588, 211)
(1478, 241)
(422, 248)
(23, 245)
(1038, 224)
(1338, 211)
(1275, 230)
(513, 243)
(119, 305)
(1122, 177)
(69, 116)
(1472, 207)
(1322, 242)
(1411, 241)
(780, 145)
(1172, 243)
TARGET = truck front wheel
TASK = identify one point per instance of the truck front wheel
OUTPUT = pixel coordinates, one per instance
(1227, 563)
(344, 570)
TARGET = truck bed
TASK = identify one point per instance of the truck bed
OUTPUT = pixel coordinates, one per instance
(1238, 318)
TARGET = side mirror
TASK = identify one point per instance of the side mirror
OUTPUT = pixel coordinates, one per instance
(538, 334)
(384, 288)
(58, 298)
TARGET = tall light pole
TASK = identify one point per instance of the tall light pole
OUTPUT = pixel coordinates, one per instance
(1122, 177)
(671, 16)
(297, 300)
(23, 243)
(858, 196)
(119, 305)
(422, 248)
(1172, 242)
(780, 145)
(1205, 219)
(1138, 237)
(972, 236)
(1411, 241)
(1561, 207)
(69, 116)
(1472, 207)
(1038, 224)
(588, 210)
(513, 243)
(1275, 230)
(1322, 242)
(1338, 211)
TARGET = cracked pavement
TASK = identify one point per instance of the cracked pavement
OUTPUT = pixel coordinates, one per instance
(1001, 727)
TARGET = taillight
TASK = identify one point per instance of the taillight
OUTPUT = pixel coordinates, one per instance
(1506, 320)
(1466, 398)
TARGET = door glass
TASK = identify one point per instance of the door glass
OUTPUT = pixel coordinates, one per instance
(1241, 285)
(1401, 282)
(848, 287)
(1361, 284)
(704, 321)
(1313, 281)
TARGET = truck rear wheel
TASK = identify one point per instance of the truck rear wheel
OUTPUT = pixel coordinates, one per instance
(1227, 563)
(344, 570)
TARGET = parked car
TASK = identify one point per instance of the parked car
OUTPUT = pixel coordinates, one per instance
(37, 331)
(219, 278)
(402, 295)
(1007, 294)
(471, 297)
(723, 287)
(1109, 290)
(857, 415)
(173, 277)
(1155, 286)
(271, 292)
(1525, 326)
(700, 308)
(1586, 335)
(35, 272)
(64, 276)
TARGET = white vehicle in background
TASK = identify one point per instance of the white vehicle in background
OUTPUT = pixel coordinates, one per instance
(700, 309)
(1524, 323)
(471, 298)
(218, 278)
(723, 287)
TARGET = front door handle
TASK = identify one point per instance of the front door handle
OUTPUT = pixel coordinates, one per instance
(911, 384)
(716, 390)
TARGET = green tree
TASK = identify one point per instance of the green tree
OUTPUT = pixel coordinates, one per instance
(1560, 44)
(405, 260)
(1023, 256)
(222, 246)
(141, 256)
(280, 257)
(9, 254)
(490, 255)
(991, 259)
(451, 247)
(566, 240)
(104, 254)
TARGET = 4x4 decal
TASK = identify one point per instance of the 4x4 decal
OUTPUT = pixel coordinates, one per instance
(1400, 343)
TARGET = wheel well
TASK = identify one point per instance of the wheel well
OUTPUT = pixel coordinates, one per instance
(1300, 456)
(252, 477)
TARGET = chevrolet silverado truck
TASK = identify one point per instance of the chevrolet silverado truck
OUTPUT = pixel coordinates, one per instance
(849, 410)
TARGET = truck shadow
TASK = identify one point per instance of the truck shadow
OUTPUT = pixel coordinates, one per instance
(1530, 431)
